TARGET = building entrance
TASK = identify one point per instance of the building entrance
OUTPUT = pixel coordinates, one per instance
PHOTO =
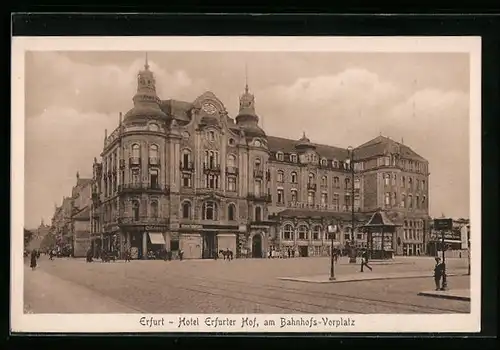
(303, 252)
(257, 246)
(209, 245)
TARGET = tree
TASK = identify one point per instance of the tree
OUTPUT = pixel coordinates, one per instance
(49, 241)
(28, 236)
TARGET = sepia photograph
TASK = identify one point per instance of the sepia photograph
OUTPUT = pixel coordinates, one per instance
(246, 184)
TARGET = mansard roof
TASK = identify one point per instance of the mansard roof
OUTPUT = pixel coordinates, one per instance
(284, 145)
(382, 145)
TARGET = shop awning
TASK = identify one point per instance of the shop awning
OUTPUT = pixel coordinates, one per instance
(156, 237)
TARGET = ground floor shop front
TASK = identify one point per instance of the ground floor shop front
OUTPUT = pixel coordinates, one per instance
(194, 244)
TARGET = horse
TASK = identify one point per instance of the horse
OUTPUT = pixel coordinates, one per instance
(227, 254)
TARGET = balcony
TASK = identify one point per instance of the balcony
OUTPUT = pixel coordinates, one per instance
(143, 187)
(154, 161)
(134, 161)
(211, 168)
(188, 166)
(231, 170)
(311, 187)
(260, 197)
(258, 173)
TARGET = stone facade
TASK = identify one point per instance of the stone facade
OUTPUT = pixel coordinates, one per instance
(185, 175)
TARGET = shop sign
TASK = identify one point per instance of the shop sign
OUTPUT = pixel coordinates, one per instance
(153, 228)
(191, 227)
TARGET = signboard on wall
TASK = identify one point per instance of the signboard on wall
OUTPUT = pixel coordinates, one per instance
(443, 224)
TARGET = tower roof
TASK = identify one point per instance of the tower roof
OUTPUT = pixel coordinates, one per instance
(304, 142)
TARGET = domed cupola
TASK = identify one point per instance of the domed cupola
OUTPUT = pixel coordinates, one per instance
(304, 143)
(247, 119)
(146, 102)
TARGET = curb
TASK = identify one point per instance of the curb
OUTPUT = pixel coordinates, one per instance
(444, 296)
(293, 279)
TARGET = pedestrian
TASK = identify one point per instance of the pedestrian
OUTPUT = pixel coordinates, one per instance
(438, 273)
(128, 255)
(33, 259)
(181, 254)
(289, 253)
(364, 261)
(51, 254)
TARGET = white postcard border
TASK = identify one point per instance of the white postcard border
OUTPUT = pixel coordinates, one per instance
(60, 323)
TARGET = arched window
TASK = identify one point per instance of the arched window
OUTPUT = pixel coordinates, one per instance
(317, 232)
(347, 182)
(311, 178)
(231, 160)
(153, 152)
(154, 209)
(231, 212)
(257, 163)
(186, 159)
(136, 153)
(294, 195)
(186, 210)
(294, 177)
(324, 181)
(288, 232)
(209, 211)
(303, 232)
(154, 127)
(258, 214)
(310, 198)
(135, 210)
(280, 176)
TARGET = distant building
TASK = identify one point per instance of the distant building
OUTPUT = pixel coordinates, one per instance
(80, 218)
(185, 175)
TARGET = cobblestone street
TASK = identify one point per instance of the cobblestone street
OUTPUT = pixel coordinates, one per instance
(238, 286)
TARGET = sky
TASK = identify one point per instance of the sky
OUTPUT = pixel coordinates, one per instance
(340, 99)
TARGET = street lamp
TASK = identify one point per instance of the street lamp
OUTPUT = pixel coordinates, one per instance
(352, 258)
(332, 229)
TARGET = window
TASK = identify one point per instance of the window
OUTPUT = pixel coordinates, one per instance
(231, 184)
(211, 136)
(311, 179)
(424, 202)
(324, 199)
(257, 163)
(257, 187)
(347, 183)
(357, 202)
(186, 210)
(280, 176)
(154, 209)
(288, 232)
(357, 183)
(423, 185)
(186, 180)
(209, 211)
(410, 201)
(281, 197)
(135, 210)
(211, 159)
(135, 177)
(303, 232)
(394, 179)
(323, 162)
(153, 178)
(403, 201)
(324, 181)
(279, 156)
(231, 160)
(231, 212)
(186, 159)
(293, 158)
(258, 214)
(394, 199)
(294, 195)
(386, 161)
(347, 200)
(403, 181)
(336, 201)
(310, 198)
(153, 154)
(336, 182)
(212, 181)
(410, 182)
(417, 202)
(335, 163)
(387, 179)
(406, 234)
(316, 232)
(294, 177)
(387, 200)
(136, 154)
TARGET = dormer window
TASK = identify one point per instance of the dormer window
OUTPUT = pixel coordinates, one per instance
(279, 156)
(323, 162)
(335, 163)
(293, 158)
(154, 127)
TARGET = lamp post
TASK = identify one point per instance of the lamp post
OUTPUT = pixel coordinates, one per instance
(332, 229)
(352, 258)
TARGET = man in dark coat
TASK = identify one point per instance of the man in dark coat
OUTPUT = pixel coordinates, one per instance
(34, 256)
(438, 273)
(364, 261)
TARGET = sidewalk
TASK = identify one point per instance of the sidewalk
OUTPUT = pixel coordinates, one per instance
(366, 276)
(455, 294)
(45, 293)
